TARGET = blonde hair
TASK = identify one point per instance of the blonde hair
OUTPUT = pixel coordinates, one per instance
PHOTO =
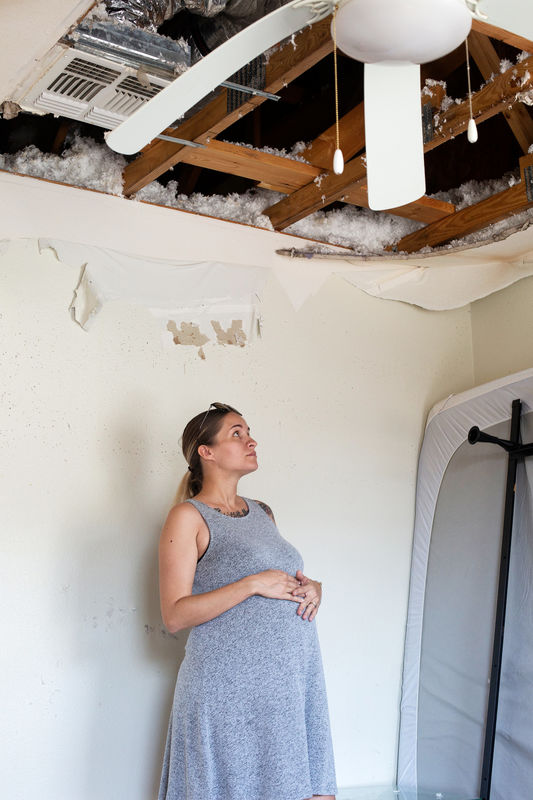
(201, 429)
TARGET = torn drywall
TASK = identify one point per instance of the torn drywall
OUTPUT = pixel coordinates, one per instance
(190, 289)
(445, 281)
(194, 302)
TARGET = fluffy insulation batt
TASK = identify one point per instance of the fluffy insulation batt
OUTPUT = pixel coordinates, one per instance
(94, 166)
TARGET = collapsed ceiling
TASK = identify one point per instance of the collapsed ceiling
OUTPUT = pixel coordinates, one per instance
(125, 51)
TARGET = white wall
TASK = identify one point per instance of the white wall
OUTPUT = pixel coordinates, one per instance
(336, 395)
(502, 332)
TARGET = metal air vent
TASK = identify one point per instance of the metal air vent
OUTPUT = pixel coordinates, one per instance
(87, 87)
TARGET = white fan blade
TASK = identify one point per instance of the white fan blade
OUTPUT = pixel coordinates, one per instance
(515, 16)
(393, 132)
(188, 89)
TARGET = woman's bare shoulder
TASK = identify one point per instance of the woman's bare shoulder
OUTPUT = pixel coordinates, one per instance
(183, 516)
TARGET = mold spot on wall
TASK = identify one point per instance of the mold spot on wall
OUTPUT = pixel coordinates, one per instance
(233, 335)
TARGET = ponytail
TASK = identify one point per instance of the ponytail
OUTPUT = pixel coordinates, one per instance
(184, 489)
(190, 485)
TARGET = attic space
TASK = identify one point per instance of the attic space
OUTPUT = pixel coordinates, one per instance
(266, 159)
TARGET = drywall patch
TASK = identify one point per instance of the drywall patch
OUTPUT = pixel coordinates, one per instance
(233, 335)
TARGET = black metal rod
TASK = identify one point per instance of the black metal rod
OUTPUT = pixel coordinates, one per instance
(522, 451)
(499, 624)
(475, 435)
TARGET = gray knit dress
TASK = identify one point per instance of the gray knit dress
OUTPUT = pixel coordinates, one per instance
(250, 718)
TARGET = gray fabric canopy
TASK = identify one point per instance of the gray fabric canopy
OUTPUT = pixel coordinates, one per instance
(455, 565)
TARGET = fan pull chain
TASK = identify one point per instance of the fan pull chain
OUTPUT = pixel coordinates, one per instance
(338, 158)
(472, 128)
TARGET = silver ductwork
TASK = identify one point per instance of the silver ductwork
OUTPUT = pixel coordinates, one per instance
(215, 22)
(150, 14)
(134, 47)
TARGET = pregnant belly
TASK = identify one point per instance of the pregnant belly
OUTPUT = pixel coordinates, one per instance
(257, 629)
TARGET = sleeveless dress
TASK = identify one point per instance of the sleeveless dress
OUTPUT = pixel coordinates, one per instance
(249, 719)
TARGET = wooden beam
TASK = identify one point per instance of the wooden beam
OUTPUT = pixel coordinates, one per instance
(488, 62)
(492, 99)
(320, 153)
(488, 101)
(61, 133)
(502, 35)
(310, 46)
(351, 137)
(321, 192)
(474, 217)
(277, 172)
(425, 209)
(285, 175)
(434, 95)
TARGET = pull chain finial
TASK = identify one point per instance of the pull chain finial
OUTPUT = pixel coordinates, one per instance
(338, 158)
(472, 127)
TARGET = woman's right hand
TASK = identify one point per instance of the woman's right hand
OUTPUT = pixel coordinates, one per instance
(276, 584)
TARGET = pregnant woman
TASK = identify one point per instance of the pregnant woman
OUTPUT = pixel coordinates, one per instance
(249, 719)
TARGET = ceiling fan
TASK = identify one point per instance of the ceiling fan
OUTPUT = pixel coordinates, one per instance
(392, 38)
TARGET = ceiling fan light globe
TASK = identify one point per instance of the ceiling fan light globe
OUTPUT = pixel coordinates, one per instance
(416, 31)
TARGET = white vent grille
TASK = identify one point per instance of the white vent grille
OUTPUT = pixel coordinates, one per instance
(89, 69)
(131, 84)
(64, 106)
(129, 95)
(103, 118)
(89, 88)
(82, 80)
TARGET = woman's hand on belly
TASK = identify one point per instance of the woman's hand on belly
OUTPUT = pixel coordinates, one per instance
(310, 594)
(276, 584)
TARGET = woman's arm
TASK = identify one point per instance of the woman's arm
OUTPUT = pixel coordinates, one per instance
(178, 557)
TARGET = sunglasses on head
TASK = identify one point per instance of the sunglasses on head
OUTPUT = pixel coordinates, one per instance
(218, 407)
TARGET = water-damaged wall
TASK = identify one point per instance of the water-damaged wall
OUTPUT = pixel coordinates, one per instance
(336, 395)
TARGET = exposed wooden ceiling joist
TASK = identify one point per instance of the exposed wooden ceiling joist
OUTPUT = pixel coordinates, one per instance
(475, 217)
(513, 39)
(313, 186)
(488, 62)
(317, 194)
(351, 139)
(493, 98)
(284, 65)
(276, 172)
(425, 209)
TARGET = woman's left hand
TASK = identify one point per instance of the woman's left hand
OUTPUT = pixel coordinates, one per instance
(312, 594)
